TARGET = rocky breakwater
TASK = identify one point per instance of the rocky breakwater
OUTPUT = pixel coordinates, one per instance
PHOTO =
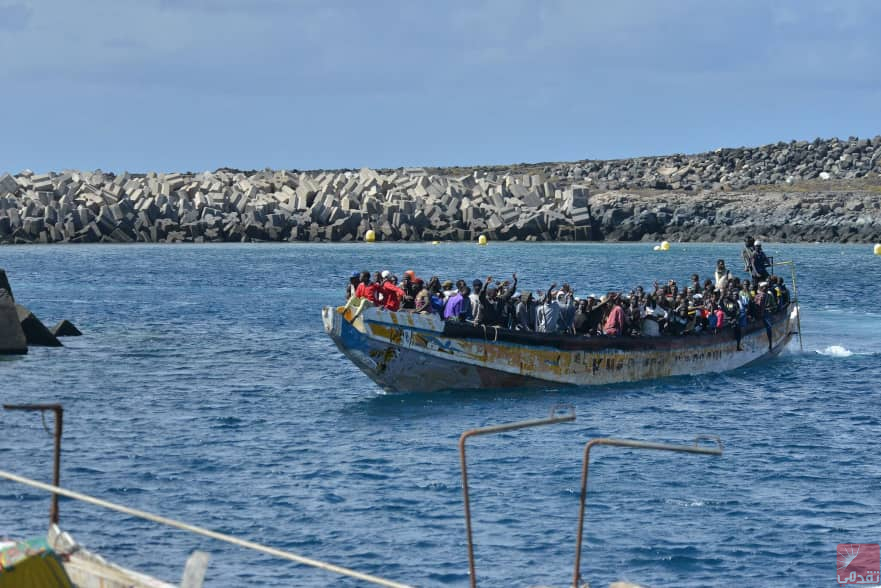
(826, 190)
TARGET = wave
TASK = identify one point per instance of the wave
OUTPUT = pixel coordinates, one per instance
(836, 351)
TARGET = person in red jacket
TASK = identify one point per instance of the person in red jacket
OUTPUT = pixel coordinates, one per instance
(373, 291)
(391, 293)
(363, 285)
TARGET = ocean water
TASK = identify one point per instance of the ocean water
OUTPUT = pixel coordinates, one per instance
(205, 389)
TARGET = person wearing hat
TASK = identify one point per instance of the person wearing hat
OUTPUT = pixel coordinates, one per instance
(755, 261)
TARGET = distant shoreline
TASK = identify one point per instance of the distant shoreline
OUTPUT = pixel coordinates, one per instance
(820, 191)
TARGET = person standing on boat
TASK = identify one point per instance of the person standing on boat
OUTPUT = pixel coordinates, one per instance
(747, 254)
(760, 262)
(614, 325)
(755, 261)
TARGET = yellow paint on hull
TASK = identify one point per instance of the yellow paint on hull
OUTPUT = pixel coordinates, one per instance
(408, 350)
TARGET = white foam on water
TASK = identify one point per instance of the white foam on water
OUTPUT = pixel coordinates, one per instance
(836, 351)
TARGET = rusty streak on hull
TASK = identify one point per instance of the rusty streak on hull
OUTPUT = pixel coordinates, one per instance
(404, 351)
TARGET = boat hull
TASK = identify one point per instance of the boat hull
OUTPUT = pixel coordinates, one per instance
(403, 351)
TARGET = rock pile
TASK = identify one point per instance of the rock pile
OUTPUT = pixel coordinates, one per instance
(690, 197)
(732, 169)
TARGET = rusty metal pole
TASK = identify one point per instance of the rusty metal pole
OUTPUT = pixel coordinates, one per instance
(717, 450)
(56, 466)
(554, 418)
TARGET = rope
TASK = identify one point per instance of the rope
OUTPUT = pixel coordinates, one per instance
(205, 532)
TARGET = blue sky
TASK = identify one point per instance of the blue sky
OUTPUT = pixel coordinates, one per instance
(175, 85)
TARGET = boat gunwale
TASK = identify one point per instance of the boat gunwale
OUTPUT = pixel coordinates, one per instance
(567, 342)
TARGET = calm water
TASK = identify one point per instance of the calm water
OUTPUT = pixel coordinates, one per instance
(205, 389)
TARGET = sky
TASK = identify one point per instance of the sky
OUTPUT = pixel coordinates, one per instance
(194, 85)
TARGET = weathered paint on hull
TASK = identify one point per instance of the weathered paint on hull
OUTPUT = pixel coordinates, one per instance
(409, 352)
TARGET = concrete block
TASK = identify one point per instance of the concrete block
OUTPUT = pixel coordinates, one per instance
(35, 332)
(8, 184)
(12, 337)
(5, 288)
(495, 222)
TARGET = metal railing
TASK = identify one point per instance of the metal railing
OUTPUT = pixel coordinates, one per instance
(56, 464)
(554, 418)
(717, 450)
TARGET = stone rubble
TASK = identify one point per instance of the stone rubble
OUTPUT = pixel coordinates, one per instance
(716, 196)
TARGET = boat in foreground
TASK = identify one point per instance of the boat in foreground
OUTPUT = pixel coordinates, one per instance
(406, 351)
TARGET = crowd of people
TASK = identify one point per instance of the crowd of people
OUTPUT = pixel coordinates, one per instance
(723, 301)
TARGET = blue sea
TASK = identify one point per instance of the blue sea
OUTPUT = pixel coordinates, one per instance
(205, 389)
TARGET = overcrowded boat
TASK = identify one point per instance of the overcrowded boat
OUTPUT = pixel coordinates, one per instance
(499, 338)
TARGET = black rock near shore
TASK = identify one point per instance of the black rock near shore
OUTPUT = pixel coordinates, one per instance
(824, 190)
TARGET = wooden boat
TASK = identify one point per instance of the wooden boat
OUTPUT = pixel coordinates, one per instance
(405, 351)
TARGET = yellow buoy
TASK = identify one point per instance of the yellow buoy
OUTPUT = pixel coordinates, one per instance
(877, 248)
(481, 240)
(370, 236)
(435, 242)
(665, 245)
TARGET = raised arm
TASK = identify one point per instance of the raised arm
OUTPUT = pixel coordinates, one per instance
(510, 291)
